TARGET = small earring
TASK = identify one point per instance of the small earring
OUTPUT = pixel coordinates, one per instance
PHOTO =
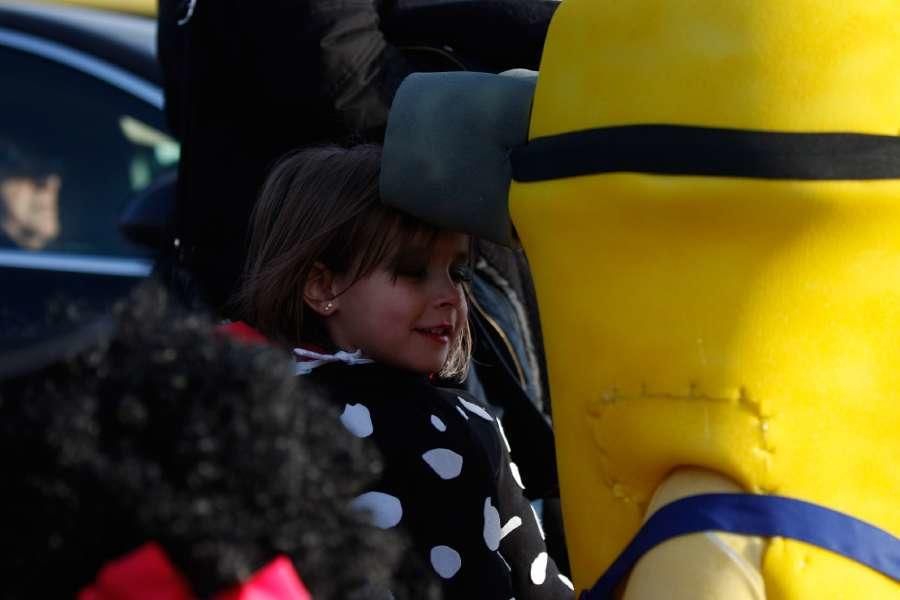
(328, 307)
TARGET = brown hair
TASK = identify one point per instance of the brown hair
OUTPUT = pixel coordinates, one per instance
(322, 205)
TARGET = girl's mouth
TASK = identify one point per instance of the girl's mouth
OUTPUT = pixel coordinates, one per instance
(440, 334)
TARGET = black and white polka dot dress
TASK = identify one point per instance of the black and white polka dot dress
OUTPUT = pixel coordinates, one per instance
(448, 481)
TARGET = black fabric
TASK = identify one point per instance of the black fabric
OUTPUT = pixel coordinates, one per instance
(683, 150)
(454, 511)
(484, 35)
(248, 81)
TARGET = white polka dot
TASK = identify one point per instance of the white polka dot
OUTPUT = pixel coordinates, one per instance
(462, 412)
(491, 525)
(357, 420)
(385, 511)
(511, 525)
(516, 475)
(566, 581)
(438, 424)
(446, 463)
(503, 435)
(474, 408)
(539, 569)
(537, 520)
(446, 561)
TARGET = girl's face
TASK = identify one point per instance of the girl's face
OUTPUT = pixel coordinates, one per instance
(409, 317)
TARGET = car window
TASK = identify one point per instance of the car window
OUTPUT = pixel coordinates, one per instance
(74, 151)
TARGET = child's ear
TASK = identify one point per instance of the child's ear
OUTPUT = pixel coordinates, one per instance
(319, 293)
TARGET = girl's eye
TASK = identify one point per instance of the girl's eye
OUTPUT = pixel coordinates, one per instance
(461, 273)
(412, 266)
(414, 273)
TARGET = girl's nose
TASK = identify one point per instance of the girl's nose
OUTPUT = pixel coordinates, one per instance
(449, 293)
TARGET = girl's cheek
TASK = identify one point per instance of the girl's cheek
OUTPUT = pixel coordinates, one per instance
(463, 306)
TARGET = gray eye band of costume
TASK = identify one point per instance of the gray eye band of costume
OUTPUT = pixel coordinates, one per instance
(447, 148)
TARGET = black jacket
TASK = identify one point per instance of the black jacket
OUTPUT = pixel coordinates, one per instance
(245, 83)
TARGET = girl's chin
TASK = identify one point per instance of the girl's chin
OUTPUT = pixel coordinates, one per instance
(421, 365)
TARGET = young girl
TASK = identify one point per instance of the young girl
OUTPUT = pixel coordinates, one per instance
(374, 303)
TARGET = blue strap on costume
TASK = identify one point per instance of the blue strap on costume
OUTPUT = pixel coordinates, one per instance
(766, 516)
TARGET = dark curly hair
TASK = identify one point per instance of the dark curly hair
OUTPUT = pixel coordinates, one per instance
(168, 431)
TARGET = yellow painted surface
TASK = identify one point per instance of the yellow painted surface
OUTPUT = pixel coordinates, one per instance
(756, 337)
(141, 7)
(797, 65)
(747, 327)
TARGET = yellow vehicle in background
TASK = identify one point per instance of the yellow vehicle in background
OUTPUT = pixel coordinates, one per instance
(140, 7)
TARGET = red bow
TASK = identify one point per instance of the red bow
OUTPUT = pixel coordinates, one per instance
(242, 332)
(147, 574)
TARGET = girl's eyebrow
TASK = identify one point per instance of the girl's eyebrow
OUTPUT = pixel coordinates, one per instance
(409, 258)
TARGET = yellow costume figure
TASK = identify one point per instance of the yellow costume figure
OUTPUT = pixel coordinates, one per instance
(709, 197)
(744, 324)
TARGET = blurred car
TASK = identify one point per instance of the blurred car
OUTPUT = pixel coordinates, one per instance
(82, 136)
